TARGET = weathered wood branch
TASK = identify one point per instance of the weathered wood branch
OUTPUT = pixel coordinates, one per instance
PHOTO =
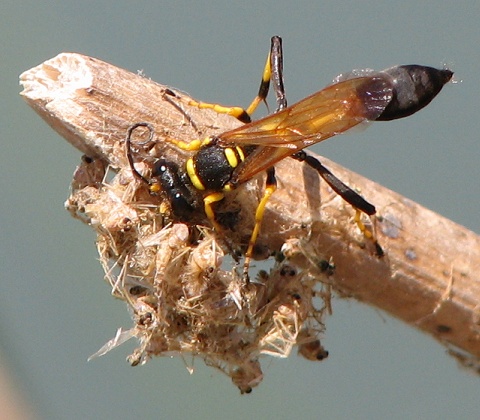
(430, 276)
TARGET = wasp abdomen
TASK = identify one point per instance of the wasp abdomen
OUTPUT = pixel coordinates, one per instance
(414, 87)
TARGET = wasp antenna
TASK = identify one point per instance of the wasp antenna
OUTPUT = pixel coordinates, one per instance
(128, 145)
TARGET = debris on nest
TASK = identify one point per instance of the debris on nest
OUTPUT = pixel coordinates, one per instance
(182, 287)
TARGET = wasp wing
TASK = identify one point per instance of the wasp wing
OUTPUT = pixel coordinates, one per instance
(324, 114)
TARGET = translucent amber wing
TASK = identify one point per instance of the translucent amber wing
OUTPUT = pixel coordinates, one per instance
(333, 110)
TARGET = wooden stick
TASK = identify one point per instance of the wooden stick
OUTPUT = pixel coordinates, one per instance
(430, 275)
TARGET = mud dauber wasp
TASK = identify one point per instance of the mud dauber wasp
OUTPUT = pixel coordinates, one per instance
(221, 163)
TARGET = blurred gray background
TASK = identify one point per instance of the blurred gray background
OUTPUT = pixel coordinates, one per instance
(55, 309)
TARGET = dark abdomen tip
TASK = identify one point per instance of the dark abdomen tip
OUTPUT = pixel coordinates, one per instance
(414, 87)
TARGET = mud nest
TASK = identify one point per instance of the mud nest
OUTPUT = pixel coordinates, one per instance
(183, 285)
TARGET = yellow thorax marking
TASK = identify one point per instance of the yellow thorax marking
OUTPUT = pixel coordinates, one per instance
(231, 157)
(192, 174)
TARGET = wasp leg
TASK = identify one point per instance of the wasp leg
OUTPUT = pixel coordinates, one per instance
(270, 187)
(344, 191)
(273, 64)
(276, 63)
(241, 114)
(208, 200)
(368, 234)
(193, 145)
(167, 96)
(273, 72)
